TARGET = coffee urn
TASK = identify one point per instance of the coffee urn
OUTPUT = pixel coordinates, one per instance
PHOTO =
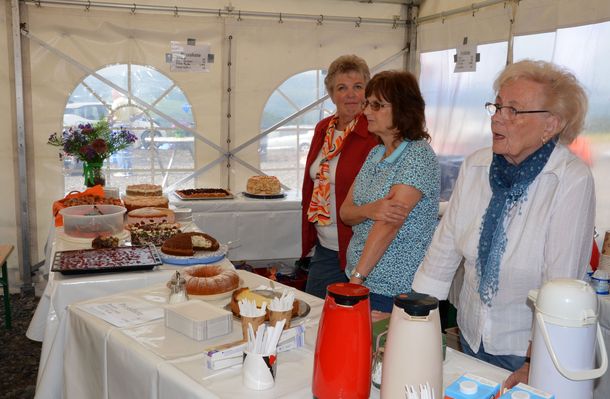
(414, 346)
(566, 335)
(343, 356)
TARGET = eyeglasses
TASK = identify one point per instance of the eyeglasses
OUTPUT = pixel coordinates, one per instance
(375, 105)
(507, 111)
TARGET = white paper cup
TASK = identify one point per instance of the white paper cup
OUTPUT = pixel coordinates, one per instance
(277, 315)
(258, 371)
(606, 244)
(604, 263)
(254, 321)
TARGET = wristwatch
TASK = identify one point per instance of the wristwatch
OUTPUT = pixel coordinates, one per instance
(359, 275)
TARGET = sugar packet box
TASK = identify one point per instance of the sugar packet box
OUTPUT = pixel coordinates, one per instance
(522, 391)
(470, 386)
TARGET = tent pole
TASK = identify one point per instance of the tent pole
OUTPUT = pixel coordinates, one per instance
(24, 205)
(227, 11)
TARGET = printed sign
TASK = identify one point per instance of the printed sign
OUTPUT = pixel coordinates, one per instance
(189, 58)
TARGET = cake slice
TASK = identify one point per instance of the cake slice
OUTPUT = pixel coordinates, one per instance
(185, 244)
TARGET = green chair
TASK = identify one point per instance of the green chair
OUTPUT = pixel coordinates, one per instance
(5, 251)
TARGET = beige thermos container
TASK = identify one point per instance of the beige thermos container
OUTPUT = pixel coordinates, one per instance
(414, 348)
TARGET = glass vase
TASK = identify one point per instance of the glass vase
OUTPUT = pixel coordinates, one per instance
(92, 171)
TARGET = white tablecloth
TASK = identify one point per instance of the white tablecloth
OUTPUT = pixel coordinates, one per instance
(150, 361)
(258, 228)
(49, 321)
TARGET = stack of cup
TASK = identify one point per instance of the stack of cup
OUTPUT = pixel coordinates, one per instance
(281, 309)
(251, 315)
(600, 281)
(255, 321)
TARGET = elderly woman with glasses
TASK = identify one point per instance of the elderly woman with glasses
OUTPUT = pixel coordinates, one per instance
(521, 214)
(393, 203)
(339, 146)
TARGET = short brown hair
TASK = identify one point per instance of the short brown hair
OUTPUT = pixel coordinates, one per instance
(565, 96)
(408, 106)
(345, 64)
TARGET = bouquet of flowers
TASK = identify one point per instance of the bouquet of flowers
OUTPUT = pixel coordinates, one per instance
(92, 144)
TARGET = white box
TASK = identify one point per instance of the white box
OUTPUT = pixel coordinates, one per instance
(198, 320)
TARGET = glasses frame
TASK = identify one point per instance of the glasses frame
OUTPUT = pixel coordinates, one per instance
(375, 105)
(489, 107)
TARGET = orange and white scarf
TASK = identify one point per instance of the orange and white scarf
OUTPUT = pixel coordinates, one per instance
(319, 206)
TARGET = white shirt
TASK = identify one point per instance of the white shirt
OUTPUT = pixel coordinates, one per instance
(549, 236)
(328, 236)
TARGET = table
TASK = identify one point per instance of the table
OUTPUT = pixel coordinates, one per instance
(258, 229)
(49, 321)
(150, 361)
(602, 386)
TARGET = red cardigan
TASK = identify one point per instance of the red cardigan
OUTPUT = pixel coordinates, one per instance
(355, 149)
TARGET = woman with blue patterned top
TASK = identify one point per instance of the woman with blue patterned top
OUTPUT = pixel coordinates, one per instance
(393, 204)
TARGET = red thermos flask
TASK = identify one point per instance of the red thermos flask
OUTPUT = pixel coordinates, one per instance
(342, 361)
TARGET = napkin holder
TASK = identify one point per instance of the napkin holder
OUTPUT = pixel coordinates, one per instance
(198, 320)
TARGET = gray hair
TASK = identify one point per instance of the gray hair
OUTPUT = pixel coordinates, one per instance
(565, 96)
(346, 64)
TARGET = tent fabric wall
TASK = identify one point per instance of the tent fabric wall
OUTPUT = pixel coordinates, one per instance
(316, 49)
(263, 55)
(9, 178)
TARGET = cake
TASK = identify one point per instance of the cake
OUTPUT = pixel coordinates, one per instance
(193, 193)
(90, 200)
(144, 190)
(151, 215)
(209, 280)
(104, 242)
(263, 185)
(152, 233)
(185, 244)
(134, 202)
(246, 293)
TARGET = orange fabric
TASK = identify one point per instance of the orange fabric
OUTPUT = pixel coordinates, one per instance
(594, 256)
(319, 207)
(59, 205)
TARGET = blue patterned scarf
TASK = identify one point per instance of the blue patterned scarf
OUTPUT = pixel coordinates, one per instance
(509, 185)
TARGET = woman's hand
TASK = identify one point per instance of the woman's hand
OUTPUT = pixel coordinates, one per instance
(388, 209)
(355, 280)
(520, 375)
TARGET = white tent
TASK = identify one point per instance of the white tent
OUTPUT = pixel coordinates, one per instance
(53, 46)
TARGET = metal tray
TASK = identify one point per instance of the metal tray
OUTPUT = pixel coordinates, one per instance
(180, 194)
(106, 260)
(304, 307)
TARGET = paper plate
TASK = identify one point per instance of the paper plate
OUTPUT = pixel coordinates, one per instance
(200, 257)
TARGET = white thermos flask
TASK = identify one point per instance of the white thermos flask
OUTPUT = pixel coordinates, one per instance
(564, 339)
(414, 347)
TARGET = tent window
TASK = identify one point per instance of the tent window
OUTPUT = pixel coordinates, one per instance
(585, 51)
(455, 115)
(163, 154)
(283, 151)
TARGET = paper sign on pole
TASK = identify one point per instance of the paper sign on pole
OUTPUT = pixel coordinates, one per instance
(466, 57)
(189, 58)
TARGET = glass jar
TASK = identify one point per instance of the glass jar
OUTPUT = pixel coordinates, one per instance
(177, 290)
(377, 367)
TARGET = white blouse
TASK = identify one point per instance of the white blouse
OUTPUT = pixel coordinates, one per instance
(549, 236)
(328, 236)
